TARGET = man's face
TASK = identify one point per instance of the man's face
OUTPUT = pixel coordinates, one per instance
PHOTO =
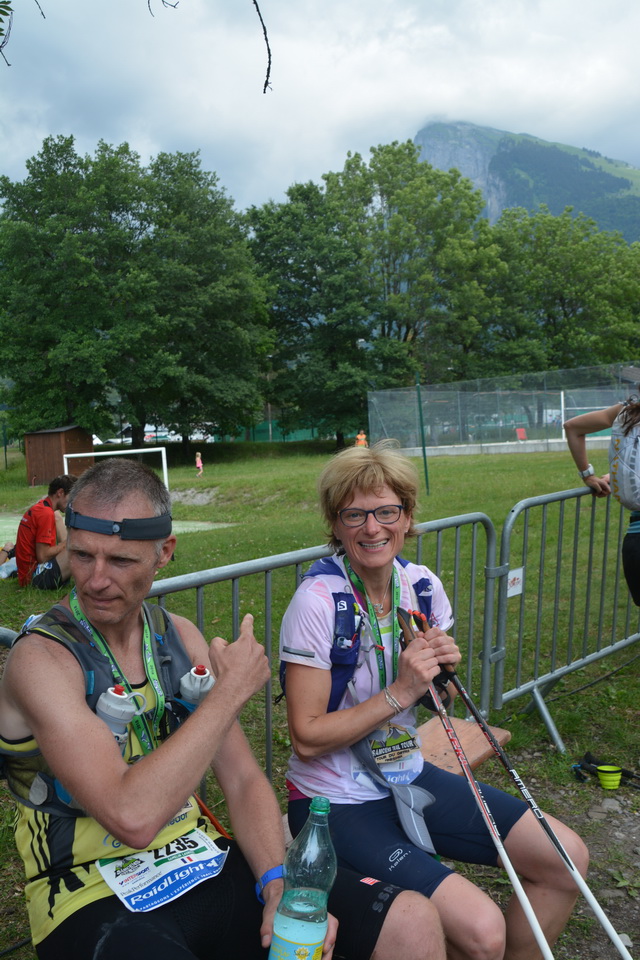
(113, 576)
(60, 499)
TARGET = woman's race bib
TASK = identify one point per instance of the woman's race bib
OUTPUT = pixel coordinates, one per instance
(396, 750)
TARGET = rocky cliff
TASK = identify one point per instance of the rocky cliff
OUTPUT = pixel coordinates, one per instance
(521, 170)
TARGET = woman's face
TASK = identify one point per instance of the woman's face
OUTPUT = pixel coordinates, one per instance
(373, 545)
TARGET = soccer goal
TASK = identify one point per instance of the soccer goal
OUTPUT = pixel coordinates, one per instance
(118, 453)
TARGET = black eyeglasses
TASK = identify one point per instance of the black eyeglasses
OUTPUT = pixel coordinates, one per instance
(352, 517)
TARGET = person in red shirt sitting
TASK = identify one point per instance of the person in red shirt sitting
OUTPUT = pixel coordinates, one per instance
(41, 544)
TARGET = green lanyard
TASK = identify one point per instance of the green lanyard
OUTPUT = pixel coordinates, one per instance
(362, 597)
(146, 732)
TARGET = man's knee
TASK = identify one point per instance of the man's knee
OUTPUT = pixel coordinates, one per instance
(411, 931)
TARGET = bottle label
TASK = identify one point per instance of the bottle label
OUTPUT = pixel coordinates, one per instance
(282, 949)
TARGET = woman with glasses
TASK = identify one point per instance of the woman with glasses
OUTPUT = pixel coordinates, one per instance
(359, 746)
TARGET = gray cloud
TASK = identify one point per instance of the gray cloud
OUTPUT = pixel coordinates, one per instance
(345, 76)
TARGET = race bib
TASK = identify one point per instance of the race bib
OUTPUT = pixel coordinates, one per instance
(396, 750)
(147, 880)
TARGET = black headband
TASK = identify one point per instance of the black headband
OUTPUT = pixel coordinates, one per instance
(144, 528)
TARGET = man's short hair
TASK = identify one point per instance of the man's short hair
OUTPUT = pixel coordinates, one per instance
(108, 483)
(64, 482)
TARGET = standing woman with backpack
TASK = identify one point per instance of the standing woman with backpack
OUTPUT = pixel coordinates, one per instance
(623, 479)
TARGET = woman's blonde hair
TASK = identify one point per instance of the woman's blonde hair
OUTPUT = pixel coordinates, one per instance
(368, 469)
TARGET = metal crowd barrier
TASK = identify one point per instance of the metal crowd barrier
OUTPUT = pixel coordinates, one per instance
(563, 602)
(454, 553)
(555, 602)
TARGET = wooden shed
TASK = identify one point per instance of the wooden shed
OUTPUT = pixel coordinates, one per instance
(44, 450)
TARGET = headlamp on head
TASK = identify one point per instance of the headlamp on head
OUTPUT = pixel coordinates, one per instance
(143, 528)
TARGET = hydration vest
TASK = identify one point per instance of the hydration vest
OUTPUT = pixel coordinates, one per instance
(348, 627)
(624, 464)
(29, 778)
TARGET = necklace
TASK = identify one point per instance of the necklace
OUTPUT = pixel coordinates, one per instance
(379, 607)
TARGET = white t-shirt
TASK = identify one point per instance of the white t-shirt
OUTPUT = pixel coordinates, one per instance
(306, 637)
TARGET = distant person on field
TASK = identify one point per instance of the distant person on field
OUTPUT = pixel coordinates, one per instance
(199, 467)
(41, 544)
(623, 478)
(361, 439)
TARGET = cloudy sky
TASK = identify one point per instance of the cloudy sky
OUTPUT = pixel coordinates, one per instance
(345, 76)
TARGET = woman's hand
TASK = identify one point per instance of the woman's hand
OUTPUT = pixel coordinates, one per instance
(444, 647)
(600, 485)
(417, 666)
(421, 662)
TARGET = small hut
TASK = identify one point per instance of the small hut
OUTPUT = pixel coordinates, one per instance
(44, 451)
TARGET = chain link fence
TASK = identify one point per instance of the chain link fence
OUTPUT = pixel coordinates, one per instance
(529, 406)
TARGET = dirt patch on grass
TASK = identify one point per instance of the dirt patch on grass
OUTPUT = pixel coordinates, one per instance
(195, 496)
(611, 829)
(609, 823)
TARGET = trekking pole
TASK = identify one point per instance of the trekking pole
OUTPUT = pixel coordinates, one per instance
(540, 817)
(408, 632)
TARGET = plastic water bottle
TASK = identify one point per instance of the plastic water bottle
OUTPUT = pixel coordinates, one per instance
(195, 684)
(118, 708)
(300, 923)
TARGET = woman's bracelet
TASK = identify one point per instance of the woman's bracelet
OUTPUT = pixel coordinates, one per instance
(391, 700)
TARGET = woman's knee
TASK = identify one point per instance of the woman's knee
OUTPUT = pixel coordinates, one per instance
(578, 853)
(483, 938)
(539, 859)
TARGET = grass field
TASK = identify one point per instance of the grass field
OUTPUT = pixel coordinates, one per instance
(263, 505)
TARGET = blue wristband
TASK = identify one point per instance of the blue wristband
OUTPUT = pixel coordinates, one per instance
(274, 874)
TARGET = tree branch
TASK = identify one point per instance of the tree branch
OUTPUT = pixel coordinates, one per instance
(267, 84)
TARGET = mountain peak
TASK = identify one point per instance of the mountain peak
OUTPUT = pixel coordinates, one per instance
(518, 169)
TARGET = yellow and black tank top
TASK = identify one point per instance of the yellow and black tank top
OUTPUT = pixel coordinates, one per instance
(59, 852)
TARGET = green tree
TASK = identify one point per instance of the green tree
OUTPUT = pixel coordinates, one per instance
(209, 300)
(120, 289)
(571, 296)
(61, 284)
(389, 256)
(429, 259)
(318, 314)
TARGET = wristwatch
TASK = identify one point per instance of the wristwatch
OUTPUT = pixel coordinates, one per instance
(589, 472)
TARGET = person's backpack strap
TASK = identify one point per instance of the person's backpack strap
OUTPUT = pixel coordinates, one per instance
(344, 649)
(325, 567)
(345, 646)
(423, 589)
(348, 627)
